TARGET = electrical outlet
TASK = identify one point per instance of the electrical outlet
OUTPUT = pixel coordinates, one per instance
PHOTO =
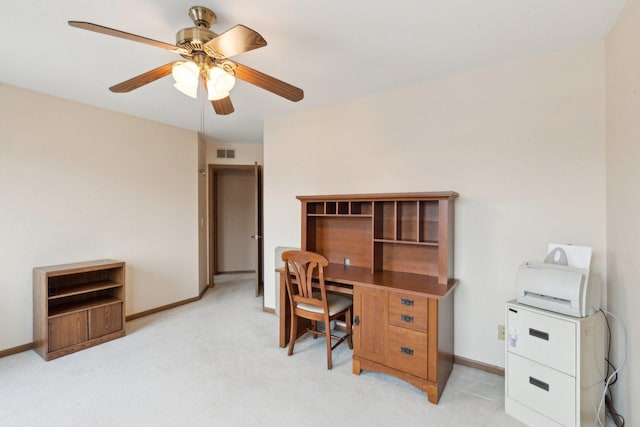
(501, 332)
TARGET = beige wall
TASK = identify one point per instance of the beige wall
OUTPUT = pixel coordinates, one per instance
(623, 199)
(523, 144)
(81, 183)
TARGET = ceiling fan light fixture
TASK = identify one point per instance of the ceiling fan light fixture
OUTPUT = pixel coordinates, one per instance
(186, 77)
(188, 89)
(215, 95)
(220, 80)
(185, 72)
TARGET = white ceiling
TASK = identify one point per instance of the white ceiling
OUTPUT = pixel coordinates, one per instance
(335, 50)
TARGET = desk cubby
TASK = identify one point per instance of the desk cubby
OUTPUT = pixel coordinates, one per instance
(339, 208)
(77, 306)
(407, 222)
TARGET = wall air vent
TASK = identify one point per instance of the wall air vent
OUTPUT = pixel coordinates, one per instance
(226, 154)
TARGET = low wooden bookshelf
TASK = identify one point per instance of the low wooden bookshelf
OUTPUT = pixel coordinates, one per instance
(77, 306)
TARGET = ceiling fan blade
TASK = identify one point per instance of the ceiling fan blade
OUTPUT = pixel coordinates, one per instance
(223, 106)
(143, 79)
(232, 42)
(269, 83)
(128, 36)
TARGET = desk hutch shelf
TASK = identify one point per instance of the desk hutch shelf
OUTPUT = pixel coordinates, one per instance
(406, 232)
(396, 252)
(77, 306)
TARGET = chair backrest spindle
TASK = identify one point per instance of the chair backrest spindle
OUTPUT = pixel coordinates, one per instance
(301, 265)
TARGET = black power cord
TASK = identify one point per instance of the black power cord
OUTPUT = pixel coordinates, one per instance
(610, 408)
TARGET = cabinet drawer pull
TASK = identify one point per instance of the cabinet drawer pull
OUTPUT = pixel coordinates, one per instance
(407, 350)
(540, 384)
(406, 318)
(539, 334)
(407, 302)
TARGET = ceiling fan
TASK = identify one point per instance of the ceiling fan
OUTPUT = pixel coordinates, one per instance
(205, 59)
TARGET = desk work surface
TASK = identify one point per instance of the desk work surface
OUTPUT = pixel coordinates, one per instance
(409, 283)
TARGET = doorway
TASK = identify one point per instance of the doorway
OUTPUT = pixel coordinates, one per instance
(235, 221)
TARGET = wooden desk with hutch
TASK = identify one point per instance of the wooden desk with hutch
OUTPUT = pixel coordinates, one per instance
(394, 254)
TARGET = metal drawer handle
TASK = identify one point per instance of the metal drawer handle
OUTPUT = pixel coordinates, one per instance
(407, 302)
(406, 350)
(539, 334)
(540, 384)
(406, 318)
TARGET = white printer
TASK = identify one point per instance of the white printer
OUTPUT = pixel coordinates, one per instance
(560, 283)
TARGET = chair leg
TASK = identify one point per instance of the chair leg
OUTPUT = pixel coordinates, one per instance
(347, 319)
(314, 328)
(328, 336)
(294, 332)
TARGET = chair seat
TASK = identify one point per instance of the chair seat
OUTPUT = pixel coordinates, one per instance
(336, 304)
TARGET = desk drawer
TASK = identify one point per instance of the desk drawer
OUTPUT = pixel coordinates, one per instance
(543, 338)
(407, 351)
(408, 311)
(534, 385)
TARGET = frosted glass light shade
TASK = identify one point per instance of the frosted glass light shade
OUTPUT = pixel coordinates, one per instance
(186, 77)
(220, 81)
(185, 72)
(214, 96)
(188, 90)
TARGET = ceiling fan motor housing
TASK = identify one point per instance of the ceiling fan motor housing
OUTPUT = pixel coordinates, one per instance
(194, 38)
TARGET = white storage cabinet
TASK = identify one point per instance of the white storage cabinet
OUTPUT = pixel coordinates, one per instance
(554, 367)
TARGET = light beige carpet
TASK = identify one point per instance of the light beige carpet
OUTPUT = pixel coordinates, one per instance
(216, 362)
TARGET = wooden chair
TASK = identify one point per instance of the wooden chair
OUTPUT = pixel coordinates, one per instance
(314, 306)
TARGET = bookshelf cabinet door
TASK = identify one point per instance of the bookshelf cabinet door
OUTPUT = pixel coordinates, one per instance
(105, 320)
(65, 331)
